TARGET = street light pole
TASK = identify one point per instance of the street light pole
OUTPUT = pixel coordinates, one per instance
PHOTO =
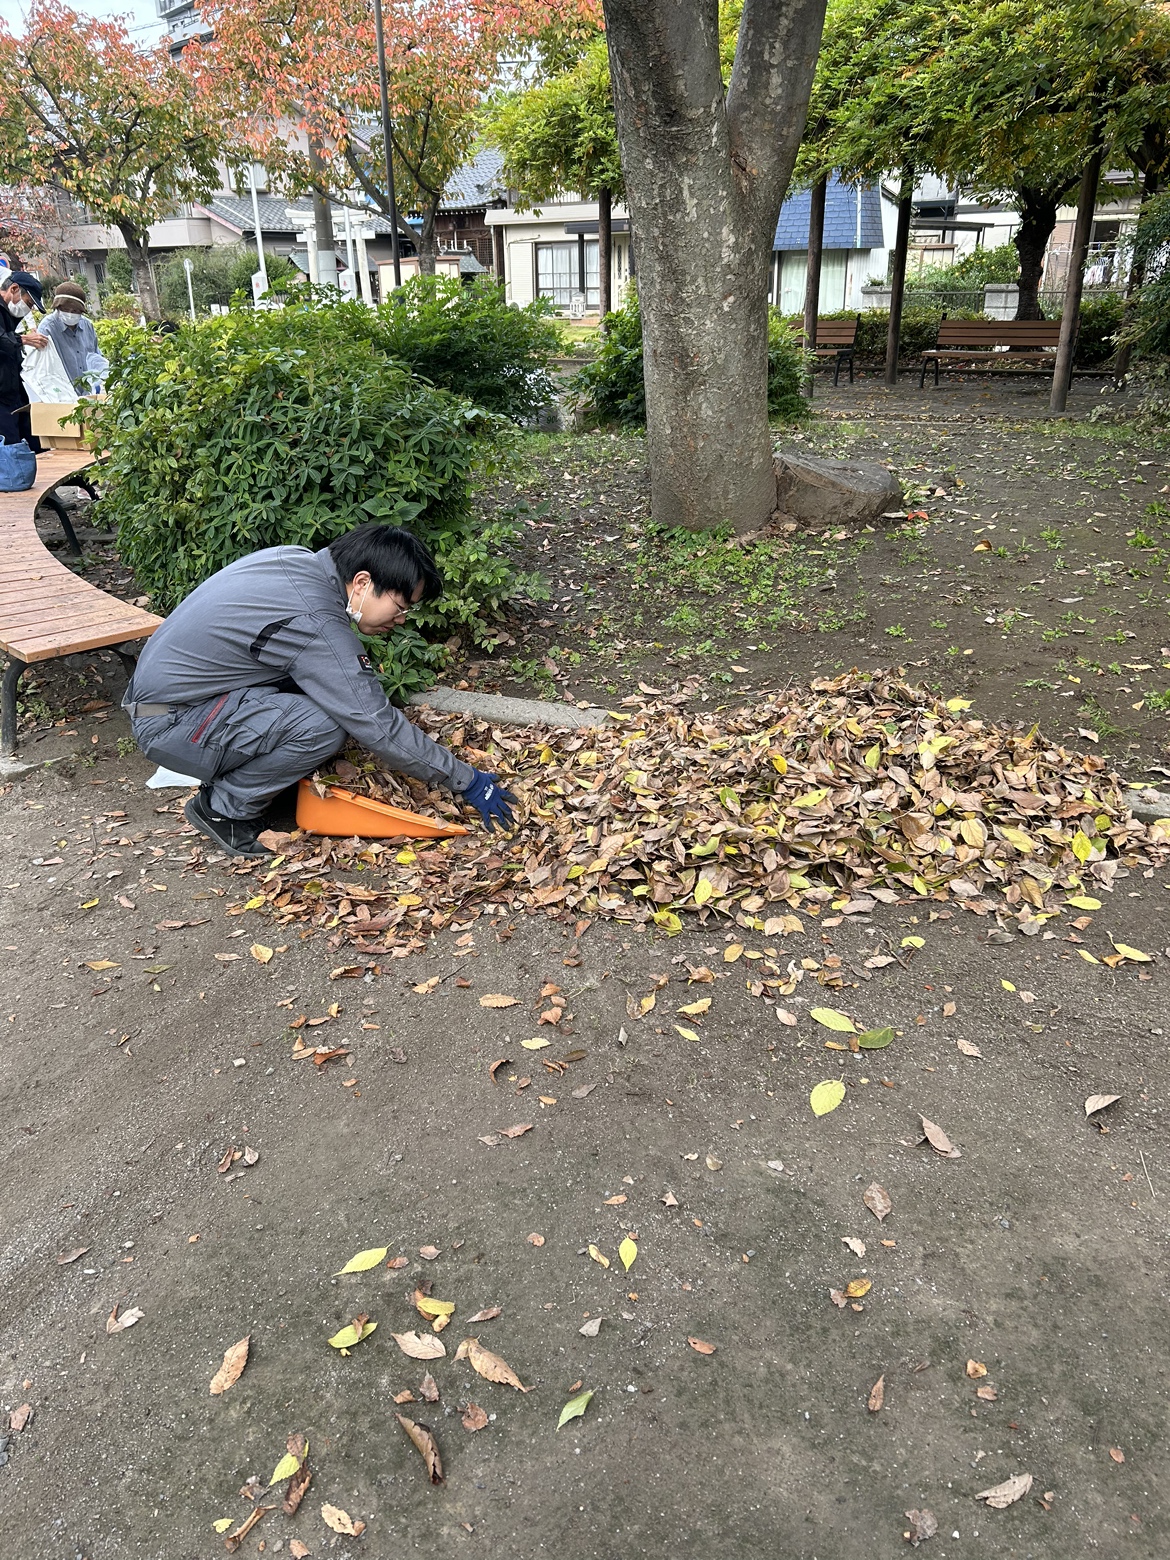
(256, 226)
(386, 141)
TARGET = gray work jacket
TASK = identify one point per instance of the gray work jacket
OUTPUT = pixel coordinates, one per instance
(281, 614)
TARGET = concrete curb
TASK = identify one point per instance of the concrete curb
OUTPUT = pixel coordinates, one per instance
(512, 712)
(1148, 803)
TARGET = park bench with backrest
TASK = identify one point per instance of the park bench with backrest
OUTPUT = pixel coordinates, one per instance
(836, 339)
(991, 344)
(45, 609)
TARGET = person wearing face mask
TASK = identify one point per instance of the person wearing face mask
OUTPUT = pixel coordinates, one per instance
(68, 328)
(257, 678)
(20, 294)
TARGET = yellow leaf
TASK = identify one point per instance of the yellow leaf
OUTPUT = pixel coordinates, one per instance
(1007, 985)
(780, 763)
(627, 1251)
(914, 942)
(409, 901)
(1087, 956)
(831, 1019)
(260, 953)
(687, 1034)
(1082, 846)
(222, 1525)
(405, 858)
(598, 1256)
(645, 1005)
(827, 1096)
(955, 705)
(286, 1467)
(430, 1307)
(730, 954)
(703, 891)
(101, 964)
(535, 1045)
(811, 798)
(364, 1261)
(873, 758)
(669, 922)
(1083, 902)
(920, 885)
(1018, 838)
(349, 1336)
(255, 902)
(90, 903)
(1135, 954)
(856, 1287)
(693, 1009)
(973, 833)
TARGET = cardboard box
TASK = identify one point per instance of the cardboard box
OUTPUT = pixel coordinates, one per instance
(46, 425)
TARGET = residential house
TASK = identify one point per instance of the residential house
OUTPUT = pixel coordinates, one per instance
(860, 221)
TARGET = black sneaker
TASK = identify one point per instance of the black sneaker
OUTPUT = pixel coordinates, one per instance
(236, 836)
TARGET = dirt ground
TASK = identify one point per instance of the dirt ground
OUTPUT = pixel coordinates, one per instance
(143, 1041)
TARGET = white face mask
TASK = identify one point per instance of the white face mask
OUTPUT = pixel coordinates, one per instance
(67, 317)
(356, 612)
(19, 310)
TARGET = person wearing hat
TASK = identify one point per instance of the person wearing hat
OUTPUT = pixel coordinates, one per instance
(70, 331)
(20, 294)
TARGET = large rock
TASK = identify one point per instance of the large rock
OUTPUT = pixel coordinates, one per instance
(816, 493)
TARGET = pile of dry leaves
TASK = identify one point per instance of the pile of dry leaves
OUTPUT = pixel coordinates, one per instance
(858, 790)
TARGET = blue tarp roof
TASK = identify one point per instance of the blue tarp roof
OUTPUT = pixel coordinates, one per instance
(841, 218)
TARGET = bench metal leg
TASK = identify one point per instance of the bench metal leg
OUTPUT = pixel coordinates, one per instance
(128, 658)
(922, 375)
(12, 675)
(51, 501)
(836, 370)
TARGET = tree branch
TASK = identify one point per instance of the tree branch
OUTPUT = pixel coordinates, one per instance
(771, 80)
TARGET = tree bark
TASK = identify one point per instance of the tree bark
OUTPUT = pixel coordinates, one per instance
(812, 278)
(604, 250)
(1037, 209)
(137, 243)
(1071, 313)
(705, 173)
(425, 241)
(898, 279)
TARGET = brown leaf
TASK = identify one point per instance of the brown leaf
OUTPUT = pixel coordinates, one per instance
(923, 1525)
(1096, 1102)
(230, 1371)
(877, 1396)
(988, 1394)
(495, 1000)
(429, 1388)
(341, 1521)
(1115, 1452)
(406, 1396)
(1006, 1494)
(535, 1240)
(297, 1547)
(296, 1487)
(976, 1370)
(490, 1366)
(877, 1200)
(701, 1346)
(474, 1417)
(488, 1315)
(495, 1067)
(420, 1347)
(72, 1256)
(583, 1091)
(968, 1049)
(428, 1448)
(516, 1131)
(19, 1417)
(429, 1252)
(938, 1140)
(397, 1262)
(116, 1323)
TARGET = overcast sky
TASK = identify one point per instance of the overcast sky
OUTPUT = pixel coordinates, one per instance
(141, 15)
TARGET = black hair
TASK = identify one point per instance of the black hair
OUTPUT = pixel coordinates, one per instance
(394, 559)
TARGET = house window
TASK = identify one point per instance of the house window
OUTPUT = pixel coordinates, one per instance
(592, 275)
(556, 273)
(99, 272)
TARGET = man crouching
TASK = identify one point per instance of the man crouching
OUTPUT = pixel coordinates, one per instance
(257, 678)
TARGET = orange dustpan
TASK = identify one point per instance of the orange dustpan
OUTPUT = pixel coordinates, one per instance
(342, 813)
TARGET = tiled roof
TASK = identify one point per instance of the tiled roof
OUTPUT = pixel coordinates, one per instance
(236, 212)
(851, 221)
(478, 183)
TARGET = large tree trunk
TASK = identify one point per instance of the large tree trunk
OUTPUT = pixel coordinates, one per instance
(812, 275)
(705, 173)
(138, 249)
(1070, 318)
(898, 278)
(426, 243)
(1037, 209)
(604, 250)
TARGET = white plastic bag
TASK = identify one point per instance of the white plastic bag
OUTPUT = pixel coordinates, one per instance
(45, 378)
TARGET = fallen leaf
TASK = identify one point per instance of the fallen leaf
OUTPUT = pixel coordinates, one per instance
(116, 1323)
(877, 1200)
(687, 1034)
(875, 1039)
(976, 1370)
(474, 1417)
(701, 1346)
(584, 1091)
(516, 1131)
(628, 1252)
(298, 1549)
(837, 1296)
(591, 1328)
(230, 1371)
(364, 1260)
(424, 1347)
(988, 1394)
(730, 954)
(260, 953)
(1096, 1102)
(713, 1162)
(488, 1315)
(397, 1262)
(615, 1202)
(19, 1417)
(494, 999)
(495, 1067)
(297, 1486)
(574, 1408)
(490, 1366)
(1115, 1452)
(535, 1240)
(535, 1045)
(598, 1255)
(349, 1337)
(877, 1395)
(968, 1049)
(786, 1017)
(857, 1247)
(288, 1465)
(938, 1140)
(831, 1019)
(669, 1200)
(857, 1287)
(693, 1009)
(424, 987)
(429, 1307)
(826, 1096)
(1007, 1493)
(1083, 902)
(428, 1448)
(222, 1524)
(429, 1388)
(341, 1521)
(924, 1524)
(1135, 954)
(72, 1256)
(101, 964)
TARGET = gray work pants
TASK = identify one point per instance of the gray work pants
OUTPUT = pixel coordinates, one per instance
(249, 744)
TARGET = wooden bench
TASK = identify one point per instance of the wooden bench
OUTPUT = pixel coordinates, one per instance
(45, 609)
(983, 342)
(836, 339)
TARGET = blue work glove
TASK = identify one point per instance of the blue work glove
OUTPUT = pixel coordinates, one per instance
(490, 800)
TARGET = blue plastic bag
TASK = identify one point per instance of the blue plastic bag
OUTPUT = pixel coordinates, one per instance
(18, 467)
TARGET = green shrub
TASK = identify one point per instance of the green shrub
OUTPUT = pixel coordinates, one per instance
(216, 276)
(121, 306)
(472, 341)
(255, 430)
(612, 386)
(1100, 323)
(119, 271)
(1001, 264)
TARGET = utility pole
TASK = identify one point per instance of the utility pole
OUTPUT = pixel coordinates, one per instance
(256, 224)
(387, 141)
